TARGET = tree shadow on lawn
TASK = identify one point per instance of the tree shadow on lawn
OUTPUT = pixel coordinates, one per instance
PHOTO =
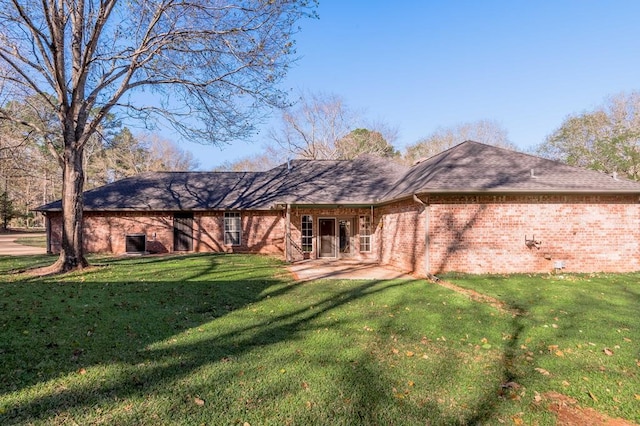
(87, 326)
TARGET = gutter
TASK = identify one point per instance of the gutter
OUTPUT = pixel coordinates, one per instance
(381, 202)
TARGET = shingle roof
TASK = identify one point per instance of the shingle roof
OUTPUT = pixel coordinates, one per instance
(476, 167)
(466, 168)
(359, 181)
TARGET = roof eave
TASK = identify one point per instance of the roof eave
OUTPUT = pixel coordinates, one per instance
(601, 192)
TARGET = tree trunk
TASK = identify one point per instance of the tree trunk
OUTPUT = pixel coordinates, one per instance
(72, 249)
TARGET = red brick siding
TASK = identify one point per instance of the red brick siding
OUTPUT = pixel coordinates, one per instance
(475, 234)
(262, 232)
(486, 234)
(105, 233)
(400, 227)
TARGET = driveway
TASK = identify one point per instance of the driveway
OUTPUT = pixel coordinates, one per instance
(316, 269)
(8, 247)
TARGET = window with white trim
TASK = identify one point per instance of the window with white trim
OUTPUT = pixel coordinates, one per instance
(232, 228)
(307, 234)
(365, 233)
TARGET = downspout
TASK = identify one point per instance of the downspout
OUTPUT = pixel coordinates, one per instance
(287, 237)
(427, 250)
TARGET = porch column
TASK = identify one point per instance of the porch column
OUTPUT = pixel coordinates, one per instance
(47, 227)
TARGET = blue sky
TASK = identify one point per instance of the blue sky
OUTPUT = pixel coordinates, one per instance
(421, 65)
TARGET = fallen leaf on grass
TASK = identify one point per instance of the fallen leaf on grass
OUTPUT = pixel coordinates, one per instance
(637, 397)
(607, 351)
(82, 371)
(198, 401)
(592, 396)
(410, 354)
(559, 353)
(542, 371)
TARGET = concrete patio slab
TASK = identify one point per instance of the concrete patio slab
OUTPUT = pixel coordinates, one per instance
(317, 269)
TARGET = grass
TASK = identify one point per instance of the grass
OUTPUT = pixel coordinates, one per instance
(39, 241)
(229, 339)
(582, 330)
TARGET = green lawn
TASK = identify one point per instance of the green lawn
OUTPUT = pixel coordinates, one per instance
(39, 241)
(229, 339)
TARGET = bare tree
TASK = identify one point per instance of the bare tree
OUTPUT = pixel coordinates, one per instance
(27, 175)
(485, 131)
(208, 65)
(322, 126)
(163, 154)
(605, 139)
(310, 129)
(364, 141)
(252, 163)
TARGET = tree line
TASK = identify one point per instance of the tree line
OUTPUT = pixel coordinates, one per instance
(605, 139)
(30, 175)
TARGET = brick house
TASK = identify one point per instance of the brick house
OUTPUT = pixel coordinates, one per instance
(473, 208)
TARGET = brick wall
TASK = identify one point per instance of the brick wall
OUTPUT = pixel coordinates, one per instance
(475, 234)
(262, 232)
(400, 228)
(486, 234)
(106, 233)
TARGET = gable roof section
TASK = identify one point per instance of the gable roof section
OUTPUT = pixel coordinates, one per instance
(342, 182)
(472, 167)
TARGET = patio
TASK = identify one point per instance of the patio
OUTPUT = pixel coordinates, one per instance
(316, 269)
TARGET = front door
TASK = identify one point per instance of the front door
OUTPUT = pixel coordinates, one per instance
(183, 232)
(327, 237)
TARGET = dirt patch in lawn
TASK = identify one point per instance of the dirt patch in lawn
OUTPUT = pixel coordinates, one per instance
(479, 297)
(571, 414)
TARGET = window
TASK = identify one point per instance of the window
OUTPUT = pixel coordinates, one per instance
(365, 233)
(232, 228)
(307, 234)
